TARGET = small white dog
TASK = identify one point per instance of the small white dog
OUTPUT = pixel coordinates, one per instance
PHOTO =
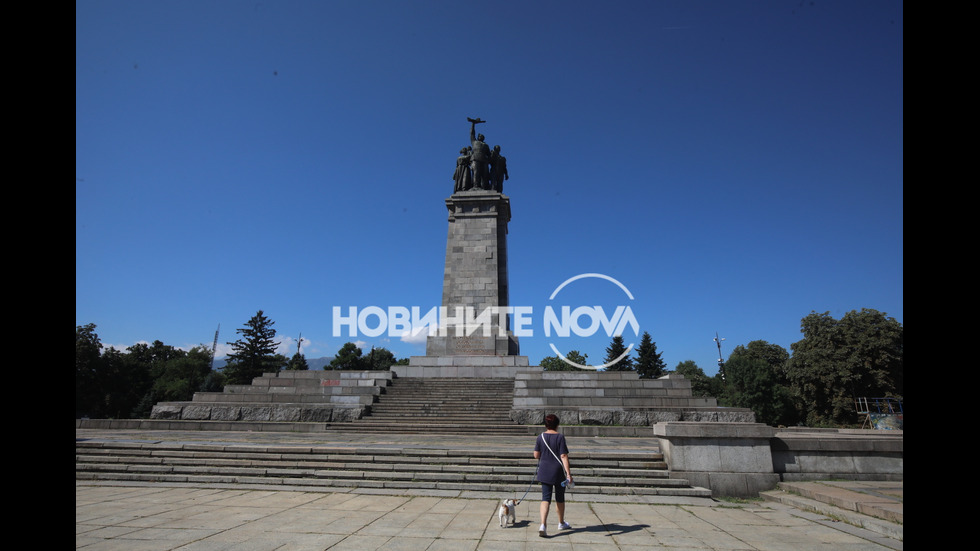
(508, 512)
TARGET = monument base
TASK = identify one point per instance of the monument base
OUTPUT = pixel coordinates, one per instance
(472, 345)
(463, 366)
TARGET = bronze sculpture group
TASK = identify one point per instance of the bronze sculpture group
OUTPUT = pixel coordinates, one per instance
(479, 167)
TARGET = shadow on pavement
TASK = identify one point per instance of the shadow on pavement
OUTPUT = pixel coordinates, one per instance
(610, 529)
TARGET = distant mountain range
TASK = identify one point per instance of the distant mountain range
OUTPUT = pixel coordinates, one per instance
(318, 363)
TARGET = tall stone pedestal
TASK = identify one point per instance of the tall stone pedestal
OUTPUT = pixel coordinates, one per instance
(475, 291)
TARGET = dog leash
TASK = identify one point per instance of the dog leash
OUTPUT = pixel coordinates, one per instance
(518, 502)
(529, 484)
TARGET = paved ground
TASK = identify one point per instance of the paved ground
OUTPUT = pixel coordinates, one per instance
(153, 517)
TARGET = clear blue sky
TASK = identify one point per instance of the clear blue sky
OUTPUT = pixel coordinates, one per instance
(735, 164)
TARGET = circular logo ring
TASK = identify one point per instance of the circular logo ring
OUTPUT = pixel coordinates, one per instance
(598, 276)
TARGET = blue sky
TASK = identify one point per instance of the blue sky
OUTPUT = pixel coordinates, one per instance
(735, 164)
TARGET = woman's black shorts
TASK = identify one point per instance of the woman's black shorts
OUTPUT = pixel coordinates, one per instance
(548, 489)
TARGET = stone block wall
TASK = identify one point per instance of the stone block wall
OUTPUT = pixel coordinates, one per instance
(743, 459)
(613, 398)
(286, 396)
(849, 454)
(462, 366)
(732, 459)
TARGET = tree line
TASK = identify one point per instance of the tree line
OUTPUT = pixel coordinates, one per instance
(836, 361)
(113, 384)
(860, 355)
(649, 363)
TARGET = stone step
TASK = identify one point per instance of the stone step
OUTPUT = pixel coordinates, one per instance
(272, 398)
(326, 467)
(838, 495)
(439, 409)
(882, 516)
(449, 418)
(441, 398)
(449, 393)
(293, 389)
(471, 384)
(482, 405)
(444, 397)
(442, 406)
(318, 396)
(487, 407)
(400, 426)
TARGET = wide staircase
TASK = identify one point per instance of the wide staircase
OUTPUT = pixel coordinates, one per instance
(413, 440)
(459, 470)
(435, 405)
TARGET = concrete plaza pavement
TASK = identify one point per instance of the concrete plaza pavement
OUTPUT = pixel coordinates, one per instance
(154, 517)
(135, 516)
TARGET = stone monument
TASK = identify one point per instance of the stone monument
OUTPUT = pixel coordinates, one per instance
(475, 338)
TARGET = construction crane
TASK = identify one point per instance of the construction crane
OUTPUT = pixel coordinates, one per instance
(721, 362)
(214, 347)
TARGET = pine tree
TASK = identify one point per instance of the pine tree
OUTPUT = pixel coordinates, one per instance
(254, 353)
(649, 363)
(615, 350)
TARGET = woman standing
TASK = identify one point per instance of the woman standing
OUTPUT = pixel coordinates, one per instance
(553, 471)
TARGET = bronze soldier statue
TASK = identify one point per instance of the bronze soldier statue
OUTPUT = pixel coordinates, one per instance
(479, 157)
(462, 175)
(498, 169)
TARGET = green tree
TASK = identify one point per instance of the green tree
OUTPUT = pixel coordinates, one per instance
(153, 355)
(701, 385)
(773, 354)
(649, 363)
(751, 382)
(279, 362)
(555, 363)
(348, 357)
(176, 377)
(254, 353)
(616, 349)
(114, 384)
(758, 381)
(108, 383)
(837, 361)
(298, 363)
(88, 366)
(126, 378)
(379, 359)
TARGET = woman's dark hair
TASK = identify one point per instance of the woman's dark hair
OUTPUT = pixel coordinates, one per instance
(551, 421)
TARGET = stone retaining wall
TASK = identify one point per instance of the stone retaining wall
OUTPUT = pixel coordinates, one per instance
(819, 454)
(613, 398)
(744, 459)
(286, 396)
(280, 413)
